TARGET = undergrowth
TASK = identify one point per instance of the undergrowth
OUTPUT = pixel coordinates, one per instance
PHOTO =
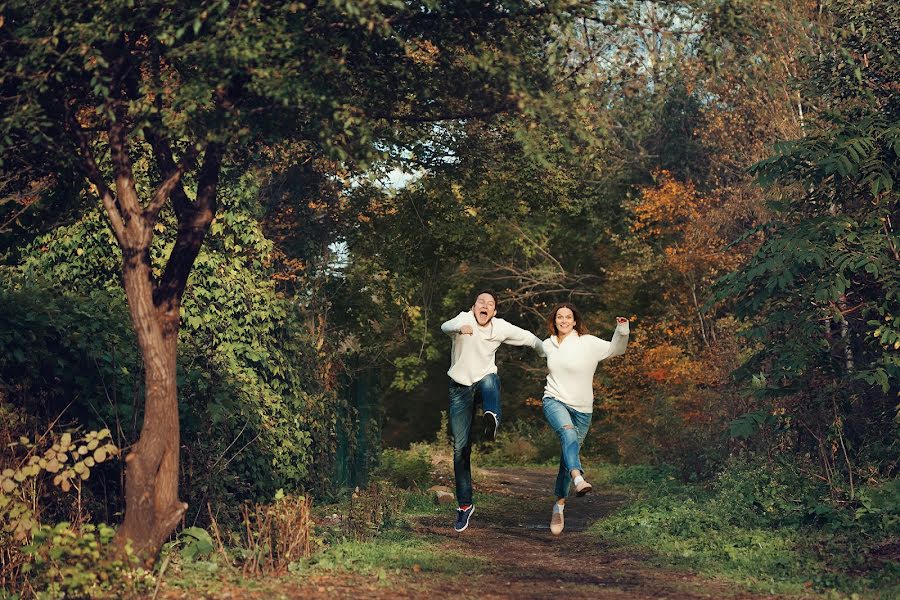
(761, 523)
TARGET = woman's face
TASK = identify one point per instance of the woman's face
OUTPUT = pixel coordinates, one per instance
(565, 322)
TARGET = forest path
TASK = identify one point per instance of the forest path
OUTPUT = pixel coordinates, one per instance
(509, 539)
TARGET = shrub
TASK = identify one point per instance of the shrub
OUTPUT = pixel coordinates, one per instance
(70, 562)
(67, 461)
(522, 442)
(276, 535)
(371, 510)
(770, 493)
(406, 469)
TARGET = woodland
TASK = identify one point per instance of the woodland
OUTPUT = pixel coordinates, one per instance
(230, 231)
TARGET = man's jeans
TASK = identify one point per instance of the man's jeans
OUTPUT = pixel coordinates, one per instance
(463, 399)
(571, 426)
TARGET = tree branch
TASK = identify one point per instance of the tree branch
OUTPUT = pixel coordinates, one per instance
(92, 171)
(168, 186)
(122, 168)
(483, 114)
(193, 223)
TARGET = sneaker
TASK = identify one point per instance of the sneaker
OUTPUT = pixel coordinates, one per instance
(462, 517)
(489, 423)
(557, 521)
(582, 487)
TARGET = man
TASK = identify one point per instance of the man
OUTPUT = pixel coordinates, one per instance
(476, 335)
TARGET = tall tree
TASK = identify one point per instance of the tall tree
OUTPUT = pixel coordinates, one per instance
(131, 93)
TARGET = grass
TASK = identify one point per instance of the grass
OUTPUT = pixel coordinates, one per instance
(395, 550)
(744, 536)
(759, 524)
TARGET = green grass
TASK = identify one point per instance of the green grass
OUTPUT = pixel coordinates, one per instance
(745, 530)
(394, 550)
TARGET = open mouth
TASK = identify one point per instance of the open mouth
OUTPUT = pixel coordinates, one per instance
(483, 314)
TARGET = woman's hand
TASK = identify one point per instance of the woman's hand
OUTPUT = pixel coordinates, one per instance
(621, 320)
(466, 330)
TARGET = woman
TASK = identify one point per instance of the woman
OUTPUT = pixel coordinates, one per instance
(572, 358)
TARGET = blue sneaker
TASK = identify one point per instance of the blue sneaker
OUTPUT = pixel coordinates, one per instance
(462, 518)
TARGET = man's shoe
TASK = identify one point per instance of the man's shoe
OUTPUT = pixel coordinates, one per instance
(557, 521)
(489, 423)
(582, 487)
(462, 517)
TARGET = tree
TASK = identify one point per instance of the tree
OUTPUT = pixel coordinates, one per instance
(153, 102)
(822, 289)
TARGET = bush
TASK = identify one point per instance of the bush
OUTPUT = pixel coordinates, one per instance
(522, 442)
(407, 469)
(72, 562)
(768, 493)
(370, 510)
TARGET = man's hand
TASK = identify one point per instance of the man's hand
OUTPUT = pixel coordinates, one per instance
(621, 320)
(466, 330)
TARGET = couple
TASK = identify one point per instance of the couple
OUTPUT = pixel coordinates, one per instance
(572, 357)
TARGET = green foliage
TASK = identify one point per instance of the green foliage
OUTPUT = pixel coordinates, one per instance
(195, 543)
(880, 506)
(254, 414)
(521, 443)
(68, 562)
(821, 292)
(747, 425)
(70, 460)
(759, 522)
(407, 469)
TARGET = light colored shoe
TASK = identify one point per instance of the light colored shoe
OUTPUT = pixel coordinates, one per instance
(582, 487)
(557, 521)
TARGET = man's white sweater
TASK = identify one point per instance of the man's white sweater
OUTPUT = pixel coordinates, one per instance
(472, 356)
(572, 364)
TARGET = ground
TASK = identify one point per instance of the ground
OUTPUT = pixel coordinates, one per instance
(518, 557)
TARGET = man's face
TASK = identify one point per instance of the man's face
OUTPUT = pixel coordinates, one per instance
(484, 308)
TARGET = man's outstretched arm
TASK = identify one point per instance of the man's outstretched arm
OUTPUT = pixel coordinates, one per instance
(516, 336)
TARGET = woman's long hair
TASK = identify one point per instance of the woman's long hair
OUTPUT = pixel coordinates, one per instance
(580, 327)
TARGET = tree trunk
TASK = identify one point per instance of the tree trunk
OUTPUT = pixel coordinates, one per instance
(153, 509)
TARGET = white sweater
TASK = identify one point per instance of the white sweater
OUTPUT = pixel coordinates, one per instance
(472, 356)
(572, 364)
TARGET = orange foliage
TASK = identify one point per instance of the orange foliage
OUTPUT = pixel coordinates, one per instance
(673, 214)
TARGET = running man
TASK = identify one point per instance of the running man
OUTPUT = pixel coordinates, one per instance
(476, 334)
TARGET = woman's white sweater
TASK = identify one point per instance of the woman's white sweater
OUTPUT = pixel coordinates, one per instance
(572, 364)
(472, 356)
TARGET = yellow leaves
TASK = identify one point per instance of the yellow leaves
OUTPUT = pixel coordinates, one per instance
(674, 214)
(456, 190)
(666, 208)
(422, 52)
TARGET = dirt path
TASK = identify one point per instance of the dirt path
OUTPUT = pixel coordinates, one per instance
(522, 559)
(527, 561)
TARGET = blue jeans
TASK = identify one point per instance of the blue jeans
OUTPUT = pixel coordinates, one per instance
(463, 399)
(571, 426)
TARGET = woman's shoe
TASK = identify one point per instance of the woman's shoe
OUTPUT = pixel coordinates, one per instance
(557, 521)
(582, 487)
